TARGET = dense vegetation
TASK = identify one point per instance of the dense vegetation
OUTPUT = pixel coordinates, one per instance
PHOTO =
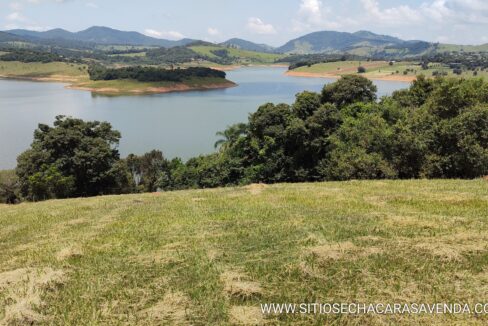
(152, 74)
(436, 129)
(32, 56)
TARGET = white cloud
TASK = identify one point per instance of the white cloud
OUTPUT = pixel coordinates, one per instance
(92, 5)
(213, 31)
(395, 15)
(313, 15)
(164, 34)
(16, 6)
(16, 17)
(256, 25)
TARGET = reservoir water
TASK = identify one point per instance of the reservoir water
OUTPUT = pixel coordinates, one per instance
(179, 124)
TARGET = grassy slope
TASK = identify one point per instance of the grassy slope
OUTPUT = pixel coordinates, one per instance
(241, 55)
(209, 257)
(379, 69)
(466, 48)
(40, 70)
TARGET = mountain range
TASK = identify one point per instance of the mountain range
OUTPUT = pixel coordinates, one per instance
(360, 43)
(99, 35)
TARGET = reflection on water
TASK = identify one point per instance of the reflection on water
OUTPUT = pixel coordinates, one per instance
(179, 124)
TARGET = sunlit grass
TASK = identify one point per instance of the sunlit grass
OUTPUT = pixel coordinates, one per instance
(201, 257)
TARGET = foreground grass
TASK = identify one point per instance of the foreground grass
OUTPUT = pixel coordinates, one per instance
(210, 257)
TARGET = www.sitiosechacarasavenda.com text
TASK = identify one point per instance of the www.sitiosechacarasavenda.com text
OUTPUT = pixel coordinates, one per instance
(375, 308)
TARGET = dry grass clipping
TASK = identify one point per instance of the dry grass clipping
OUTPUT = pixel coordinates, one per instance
(24, 288)
(242, 315)
(238, 285)
(453, 247)
(69, 252)
(172, 309)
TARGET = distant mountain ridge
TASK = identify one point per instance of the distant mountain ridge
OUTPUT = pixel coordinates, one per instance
(331, 41)
(100, 35)
(362, 43)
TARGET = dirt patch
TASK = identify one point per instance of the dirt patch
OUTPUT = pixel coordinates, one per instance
(256, 188)
(172, 309)
(239, 285)
(243, 315)
(23, 292)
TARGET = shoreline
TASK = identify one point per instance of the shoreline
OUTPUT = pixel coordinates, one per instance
(235, 67)
(72, 84)
(177, 88)
(393, 78)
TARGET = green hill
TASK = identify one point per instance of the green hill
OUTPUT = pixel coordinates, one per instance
(247, 45)
(211, 257)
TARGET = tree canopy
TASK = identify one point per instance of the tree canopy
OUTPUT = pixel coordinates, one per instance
(438, 128)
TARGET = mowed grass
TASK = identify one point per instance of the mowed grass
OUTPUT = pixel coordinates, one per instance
(211, 257)
(42, 70)
(251, 56)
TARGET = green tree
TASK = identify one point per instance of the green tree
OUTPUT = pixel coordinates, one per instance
(306, 103)
(230, 135)
(85, 152)
(349, 89)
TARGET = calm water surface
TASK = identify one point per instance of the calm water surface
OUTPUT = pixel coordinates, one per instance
(179, 124)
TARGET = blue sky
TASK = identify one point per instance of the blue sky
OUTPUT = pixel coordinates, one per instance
(269, 21)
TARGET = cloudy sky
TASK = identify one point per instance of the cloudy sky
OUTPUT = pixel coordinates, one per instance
(269, 21)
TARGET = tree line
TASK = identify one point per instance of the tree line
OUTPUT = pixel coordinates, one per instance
(152, 74)
(438, 128)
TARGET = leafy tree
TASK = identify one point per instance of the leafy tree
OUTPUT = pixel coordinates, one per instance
(84, 152)
(306, 104)
(147, 170)
(49, 183)
(9, 187)
(230, 135)
(349, 89)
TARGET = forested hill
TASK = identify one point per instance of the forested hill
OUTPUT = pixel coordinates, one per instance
(247, 45)
(100, 35)
(362, 42)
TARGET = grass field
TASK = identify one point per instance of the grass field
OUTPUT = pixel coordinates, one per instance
(465, 48)
(42, 70)
(381, 69)
(211, 257)
(241, 55)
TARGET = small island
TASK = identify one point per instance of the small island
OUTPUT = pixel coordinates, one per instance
(133, 80)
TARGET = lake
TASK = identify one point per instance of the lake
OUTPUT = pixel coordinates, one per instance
(179, 124)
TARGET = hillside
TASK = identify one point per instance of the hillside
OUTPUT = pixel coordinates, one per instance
(362, 43)
(99, 35)
(211, 257)
(241, 44)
